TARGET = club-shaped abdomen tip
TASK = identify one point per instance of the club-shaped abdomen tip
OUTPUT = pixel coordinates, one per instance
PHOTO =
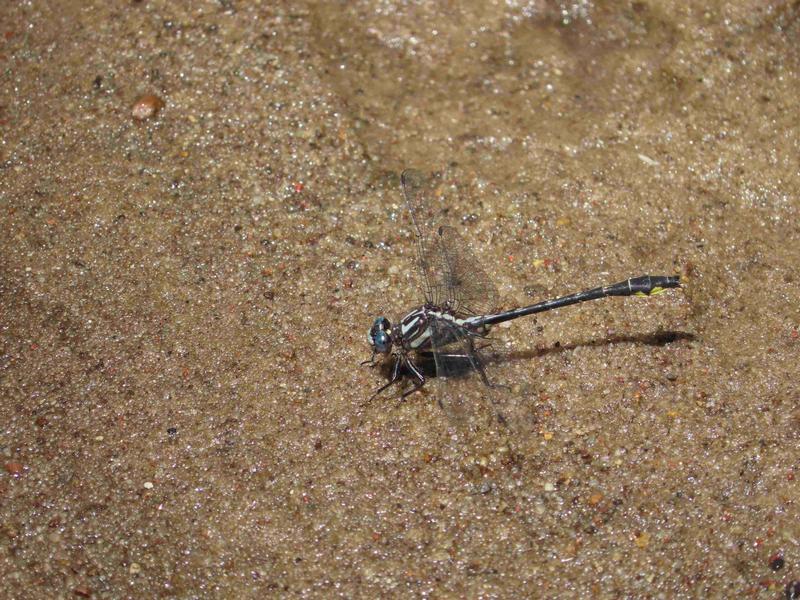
(662, 283)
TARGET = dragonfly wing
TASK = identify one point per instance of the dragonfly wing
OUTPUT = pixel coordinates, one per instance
(451, 275)
(469, 289)
(417, 192)
(459, 363)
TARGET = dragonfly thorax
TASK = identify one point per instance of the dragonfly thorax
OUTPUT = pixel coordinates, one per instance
(416, 330)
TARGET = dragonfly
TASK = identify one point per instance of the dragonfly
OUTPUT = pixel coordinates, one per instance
(452, 325)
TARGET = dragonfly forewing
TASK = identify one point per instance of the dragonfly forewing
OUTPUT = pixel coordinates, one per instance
(450, 274)
(469, 290)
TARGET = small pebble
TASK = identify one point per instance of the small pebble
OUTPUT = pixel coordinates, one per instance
(549, 487)
(647, 160)
(595, 498)
(14, 468)
(82, 591)
(148, 485)
(146, 107)
(135, 569)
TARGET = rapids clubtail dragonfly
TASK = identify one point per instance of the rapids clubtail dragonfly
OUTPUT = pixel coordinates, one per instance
(453, 322)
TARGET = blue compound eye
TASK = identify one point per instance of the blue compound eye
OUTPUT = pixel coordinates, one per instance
(379, 337)
(383, 343)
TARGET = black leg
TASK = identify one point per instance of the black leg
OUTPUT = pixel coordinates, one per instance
(418, 376)
(476, 363)
(392, 380)
(370, 361)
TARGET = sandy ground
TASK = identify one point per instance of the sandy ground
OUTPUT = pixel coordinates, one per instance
(185, 299)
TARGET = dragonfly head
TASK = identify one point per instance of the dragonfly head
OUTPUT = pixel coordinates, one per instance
(380, 336)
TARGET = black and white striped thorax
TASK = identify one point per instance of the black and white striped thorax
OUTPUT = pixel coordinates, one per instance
(415, 330)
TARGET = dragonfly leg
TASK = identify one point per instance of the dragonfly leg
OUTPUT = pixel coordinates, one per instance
(477, 363)
(484, 337)
(418, 376)
(370, 361)
(392, 380)
(487, 343)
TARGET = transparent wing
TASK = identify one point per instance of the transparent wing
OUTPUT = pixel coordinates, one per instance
(459, 362)
(416, 190)
(468, 289)
(451, 276)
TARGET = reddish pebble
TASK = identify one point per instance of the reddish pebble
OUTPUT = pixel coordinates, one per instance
(146, 107)
(14, 468)
(82, 591)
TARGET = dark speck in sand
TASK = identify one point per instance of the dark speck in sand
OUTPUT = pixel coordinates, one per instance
(777, 561)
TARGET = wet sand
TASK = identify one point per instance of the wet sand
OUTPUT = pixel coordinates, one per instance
(185, 291)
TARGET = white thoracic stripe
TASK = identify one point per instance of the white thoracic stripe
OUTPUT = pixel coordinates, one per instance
(422, 339)
(415, 327)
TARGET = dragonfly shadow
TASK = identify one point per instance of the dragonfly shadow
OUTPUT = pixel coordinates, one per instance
(660, 338)
(462, 367)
